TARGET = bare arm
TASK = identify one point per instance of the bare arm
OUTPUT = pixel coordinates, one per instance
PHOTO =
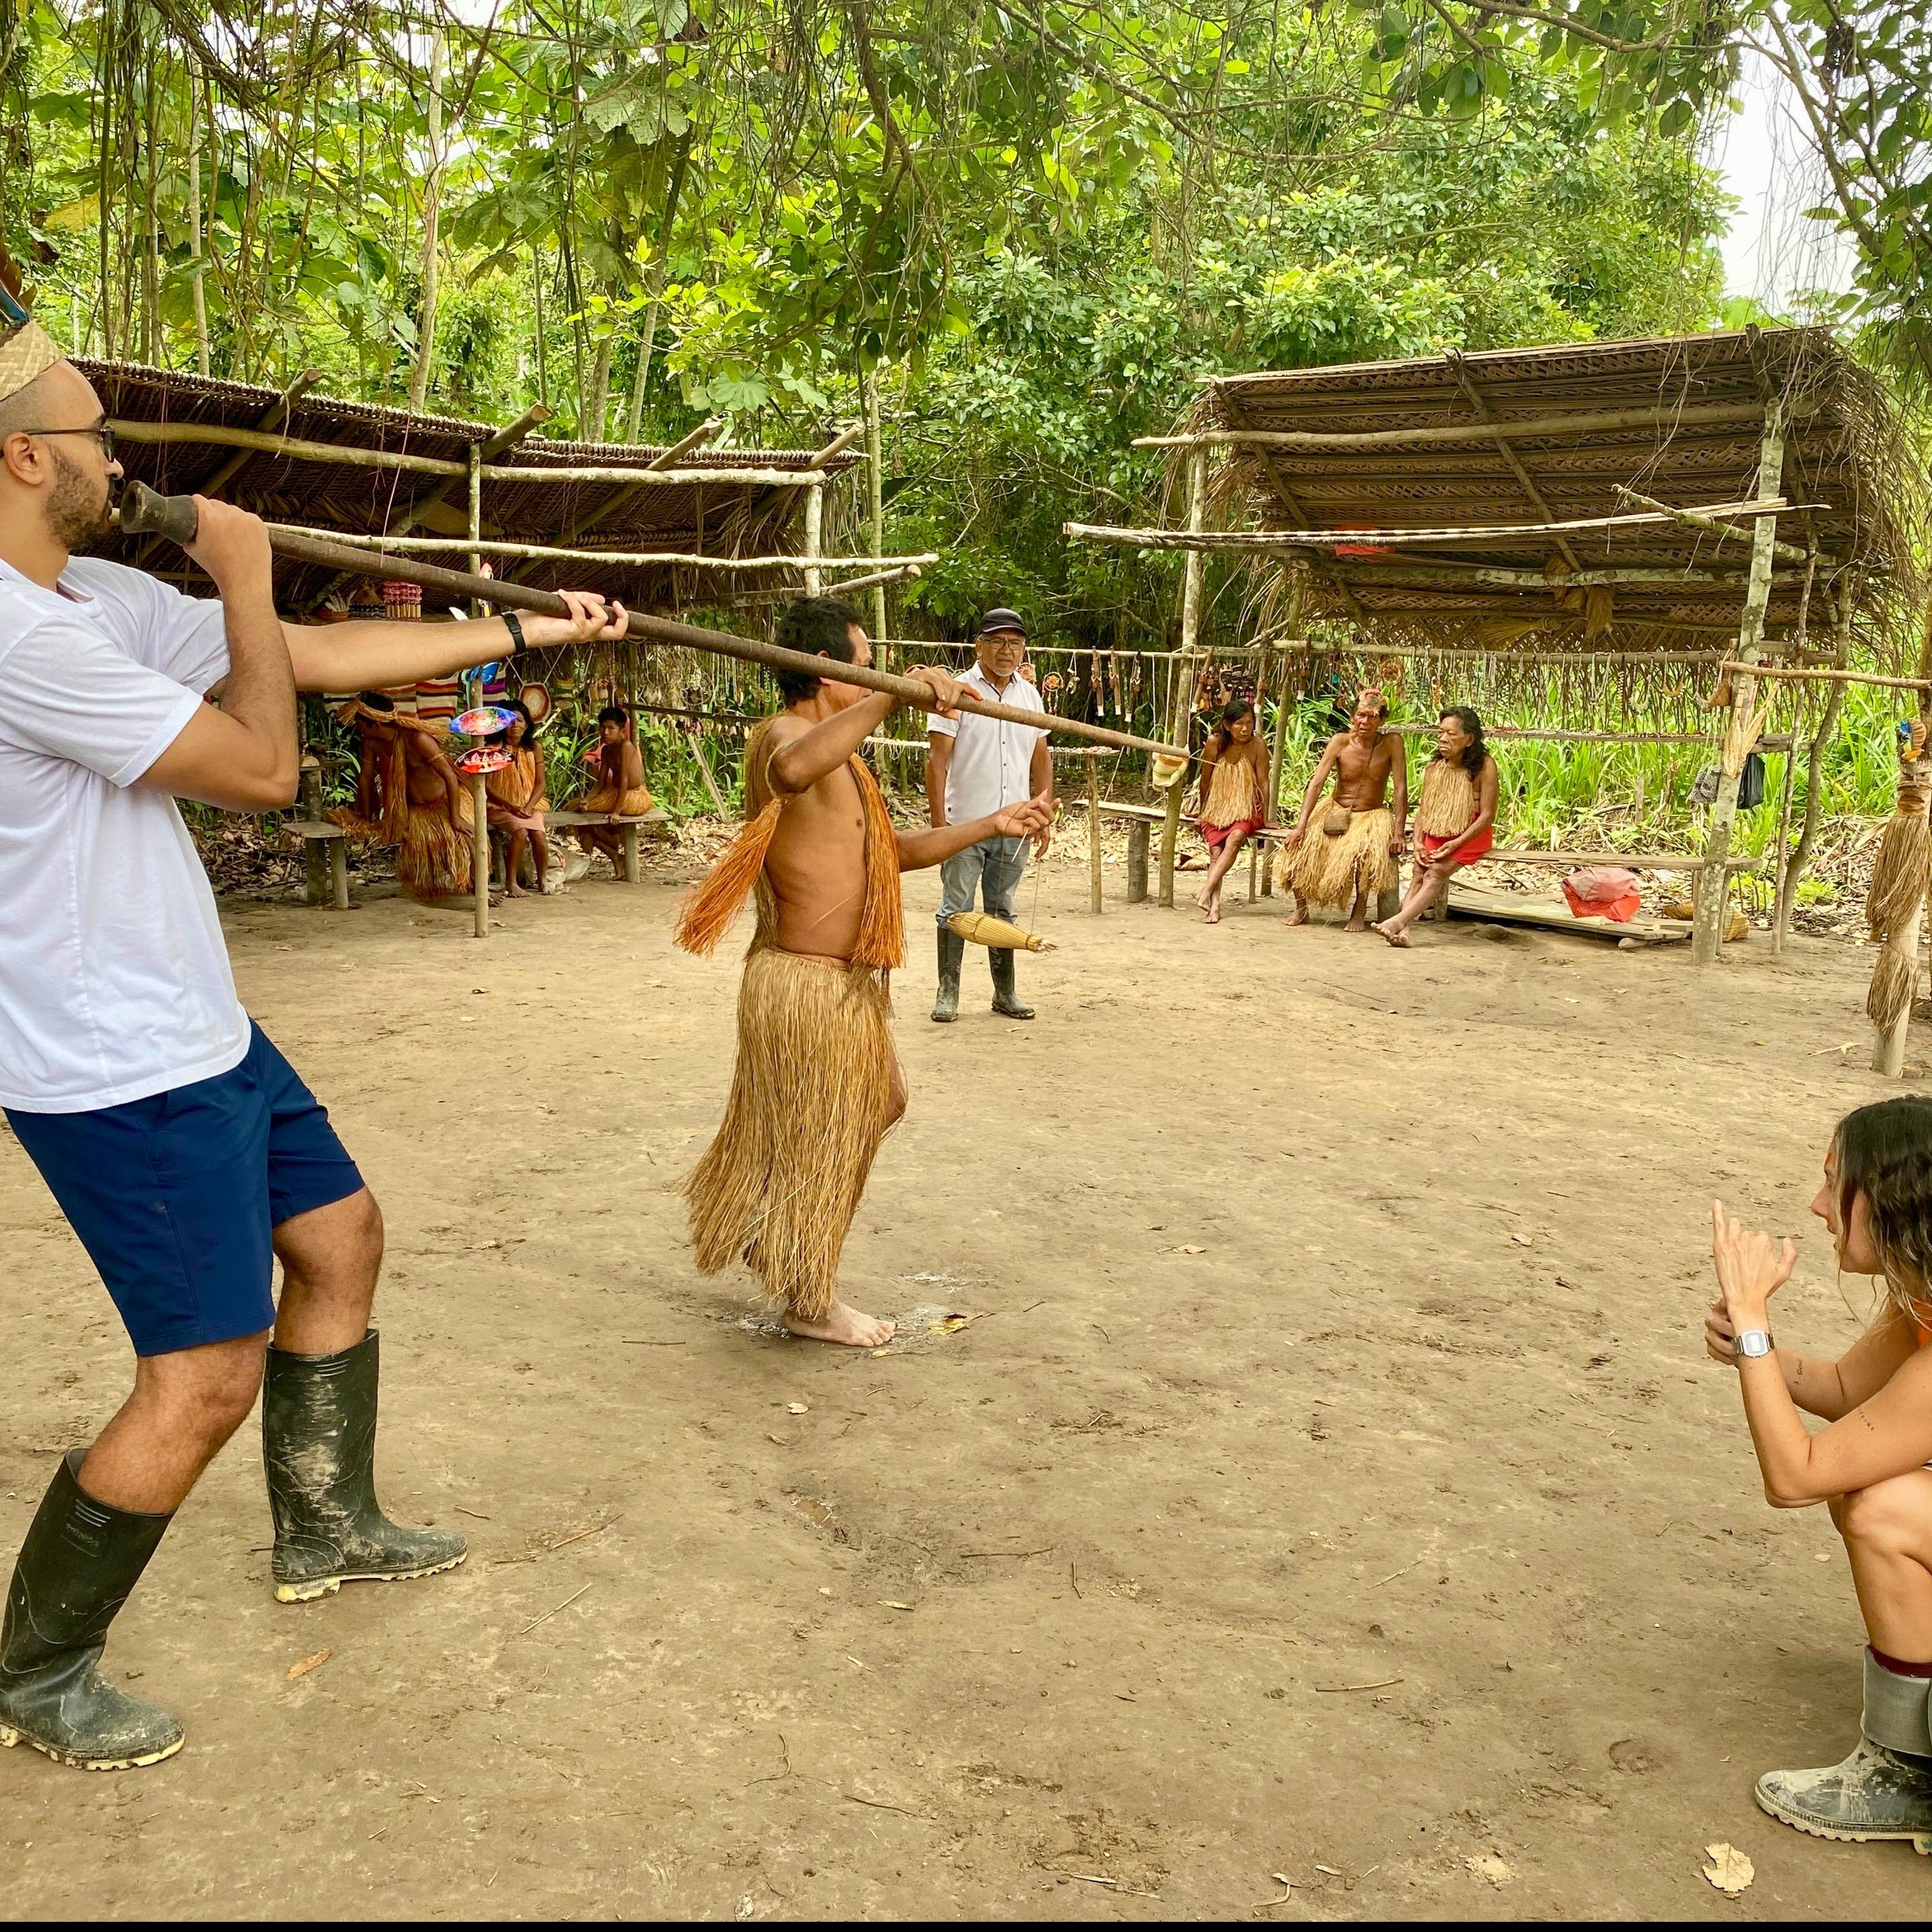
(1818, 1385)
(1209, 759)
(1311, 797)
(1039, 772)
(818, 752)
(369, 656)
(244, 758)
(935, 845)
(938, 762)
(1887, 1434)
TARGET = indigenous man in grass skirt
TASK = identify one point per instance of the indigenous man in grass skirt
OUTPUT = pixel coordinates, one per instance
(1346, 856)
(184, 1151)
(817, 1083)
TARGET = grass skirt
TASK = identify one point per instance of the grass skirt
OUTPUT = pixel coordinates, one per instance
(1337, 871)
(781, 1181)
(631, 804)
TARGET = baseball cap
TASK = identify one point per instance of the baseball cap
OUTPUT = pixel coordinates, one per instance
(1001, 619)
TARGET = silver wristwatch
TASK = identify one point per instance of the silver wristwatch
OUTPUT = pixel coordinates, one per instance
(1753, 1343)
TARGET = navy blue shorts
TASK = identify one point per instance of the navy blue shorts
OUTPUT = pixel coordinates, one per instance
(175, 1197)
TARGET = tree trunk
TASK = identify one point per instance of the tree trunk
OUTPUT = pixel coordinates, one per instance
(431, 213)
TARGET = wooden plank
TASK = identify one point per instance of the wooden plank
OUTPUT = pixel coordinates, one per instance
(656, 817)
(1506, 909)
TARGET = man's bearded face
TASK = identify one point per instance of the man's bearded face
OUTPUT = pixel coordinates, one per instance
(77, 509)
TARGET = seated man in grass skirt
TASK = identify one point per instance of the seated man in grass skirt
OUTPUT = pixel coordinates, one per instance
(817, 1083)
(185, 1152)
(1345, 857)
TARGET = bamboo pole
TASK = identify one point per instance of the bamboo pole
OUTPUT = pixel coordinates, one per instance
(1713, 891)
(837, 446)
(692, 637)
(1832, 675)
(1707, 520)
(1784, 792)
(814, 525)
(475, 545)
(1094, 857)
(479, 852)
(1895, 902)
(1697, 415)
(1152, 538)
(1181, 703)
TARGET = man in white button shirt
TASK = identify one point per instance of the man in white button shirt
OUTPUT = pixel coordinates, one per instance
(976, 766)
(185, 1152)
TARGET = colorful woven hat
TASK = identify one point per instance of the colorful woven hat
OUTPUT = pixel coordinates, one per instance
(26, 349)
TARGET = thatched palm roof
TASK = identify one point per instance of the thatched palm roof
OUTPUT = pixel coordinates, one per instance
(659, 513)
(1677, 418)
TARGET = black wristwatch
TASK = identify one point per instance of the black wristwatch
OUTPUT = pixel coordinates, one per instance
(515, 626)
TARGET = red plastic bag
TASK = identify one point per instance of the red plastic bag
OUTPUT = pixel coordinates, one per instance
(1604, 892)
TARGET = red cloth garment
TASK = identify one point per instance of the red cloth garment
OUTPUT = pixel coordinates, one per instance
(1473, 850)
(1604, 892)
(1217, 835)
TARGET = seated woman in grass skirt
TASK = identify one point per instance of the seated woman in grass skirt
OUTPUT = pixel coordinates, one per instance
(1234, 797)
(518, 803)
(1346, 858)
(1455, 822)
(619, 792)
(408, 795)
(1869, 1467)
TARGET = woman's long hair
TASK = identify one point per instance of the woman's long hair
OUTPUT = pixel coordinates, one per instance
(1235, 710)
(1884, 1152)
(1475, 752)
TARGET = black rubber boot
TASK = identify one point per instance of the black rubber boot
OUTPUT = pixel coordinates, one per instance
(1884, 1789)
(319, 1448)
(952, 957)
(80, 1560)
(1005, 1000)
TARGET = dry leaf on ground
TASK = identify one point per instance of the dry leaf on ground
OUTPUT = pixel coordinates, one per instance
(306, 1665)
(797, 1407)
(1729, 1870)
(1490, 1867)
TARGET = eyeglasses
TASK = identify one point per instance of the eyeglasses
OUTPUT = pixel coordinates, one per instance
(102, 433)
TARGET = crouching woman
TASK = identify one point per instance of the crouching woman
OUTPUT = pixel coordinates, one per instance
(1868, 1466)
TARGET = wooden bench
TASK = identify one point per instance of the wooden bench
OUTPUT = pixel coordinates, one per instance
(630, 827)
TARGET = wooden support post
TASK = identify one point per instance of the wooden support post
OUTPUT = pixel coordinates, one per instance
(1180, 732)
(479, 852)
(476, 514)
(1291, 644)
(1793, 871)
(1740, 733)
(705, 771)
(633, 872)
(338, 873)
(1094, 857)
(1138, 842)
(1784, 847)
(313, 863)
(814, 525)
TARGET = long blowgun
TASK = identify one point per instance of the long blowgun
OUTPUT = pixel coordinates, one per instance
(144, 510)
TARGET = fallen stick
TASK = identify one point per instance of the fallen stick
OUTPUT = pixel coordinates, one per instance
(548, 1614)
(1329, 1690)
(143, 509)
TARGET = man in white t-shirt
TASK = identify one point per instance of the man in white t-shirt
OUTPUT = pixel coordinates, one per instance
(976, 766)
(184, 1150)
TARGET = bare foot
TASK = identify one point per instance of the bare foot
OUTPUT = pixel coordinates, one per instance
(844, 1323)
(1359, 923)
(514, 891)
(1213, 916)
(1201, 899)
(1297, 917)
(1393, 938)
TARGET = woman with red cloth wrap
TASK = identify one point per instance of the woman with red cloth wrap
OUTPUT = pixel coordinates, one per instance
(1455, 820)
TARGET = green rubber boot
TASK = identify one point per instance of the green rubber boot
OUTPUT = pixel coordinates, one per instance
(951, 956)
(1884, 1789)
(1005, 999)
(80, 1560)
(319, 1448)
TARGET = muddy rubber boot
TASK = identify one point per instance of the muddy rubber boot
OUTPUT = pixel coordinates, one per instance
(319, 1448)
(1005, 1000)
(1884, 1789)
(952, 957)
(80, 1560)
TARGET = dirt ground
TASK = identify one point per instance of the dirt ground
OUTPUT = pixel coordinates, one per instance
(1331, 1484)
